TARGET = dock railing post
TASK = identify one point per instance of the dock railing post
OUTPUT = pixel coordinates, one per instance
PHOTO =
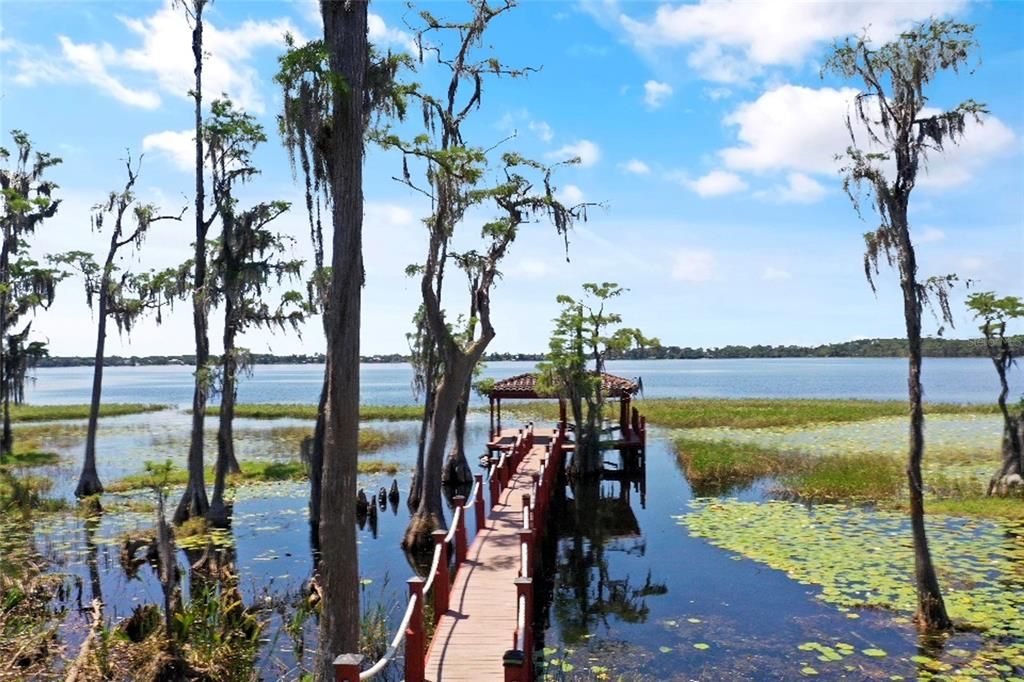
(415, 635)
(495, 483)
(514, 661)
(460, 532)
(526, 538)
(441, 580)
(347, 667)
(478, 503)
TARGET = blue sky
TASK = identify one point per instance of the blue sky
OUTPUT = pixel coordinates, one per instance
(704, 129)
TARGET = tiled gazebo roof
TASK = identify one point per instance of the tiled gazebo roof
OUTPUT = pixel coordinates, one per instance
(524, 386)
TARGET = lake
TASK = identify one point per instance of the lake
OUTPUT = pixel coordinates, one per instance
(630, 590)
(959, 380)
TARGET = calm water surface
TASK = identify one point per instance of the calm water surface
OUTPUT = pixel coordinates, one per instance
(961, 380)
(625, 576)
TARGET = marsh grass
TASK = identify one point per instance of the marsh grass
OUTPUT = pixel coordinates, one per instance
(711, 465)
(748, 413)
(307, 411)
(760, 413)
(259, 471)
(845, 478)
(978, 505)
(38, 413)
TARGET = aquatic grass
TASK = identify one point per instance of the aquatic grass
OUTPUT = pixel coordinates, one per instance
(747, 413)
(30, 457)
(771, 412)
(860, 558)
(253, 471)
(36, 413)
(709, 464)
(308, 411)
(978, 505)
(838, 478)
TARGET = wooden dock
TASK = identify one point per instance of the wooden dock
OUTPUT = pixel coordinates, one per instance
(472, 636)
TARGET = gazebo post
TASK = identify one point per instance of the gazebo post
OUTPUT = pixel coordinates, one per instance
(624, 415)
(493, 434)
(499, 416)
(561, 412)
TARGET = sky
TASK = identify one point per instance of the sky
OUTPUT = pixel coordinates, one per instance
(704, 130)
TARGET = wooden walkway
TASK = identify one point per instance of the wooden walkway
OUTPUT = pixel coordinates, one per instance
(473, 635)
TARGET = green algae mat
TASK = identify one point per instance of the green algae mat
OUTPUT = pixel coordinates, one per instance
(864, 559)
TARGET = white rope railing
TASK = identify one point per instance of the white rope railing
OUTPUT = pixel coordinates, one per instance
(521, 624)
(455, 525)
(389, 655)
(472, 495)
(433, 569)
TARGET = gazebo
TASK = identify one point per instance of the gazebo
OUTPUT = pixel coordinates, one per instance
(524, 387)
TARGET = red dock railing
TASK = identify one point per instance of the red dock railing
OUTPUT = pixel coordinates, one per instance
(412, 630)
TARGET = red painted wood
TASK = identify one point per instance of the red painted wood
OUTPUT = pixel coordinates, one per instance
(415, 635)
(442, 581)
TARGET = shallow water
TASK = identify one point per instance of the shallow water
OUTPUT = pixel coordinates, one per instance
(634, 593)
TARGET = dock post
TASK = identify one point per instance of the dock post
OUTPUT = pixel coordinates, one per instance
(526, 538)
(460, 532)
(347, 667)
(524, 588)
(442, 582)
(415, 635)
(514, 661)
(478, 504)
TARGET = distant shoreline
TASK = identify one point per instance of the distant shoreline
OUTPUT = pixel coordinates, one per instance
(861, 348)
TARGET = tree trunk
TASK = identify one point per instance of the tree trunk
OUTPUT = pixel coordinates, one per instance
(89, 480)
(429, 515)
(316, 470)
(456, 470)
(7, 442)
(226, 463)
(931, 609)
(345, 26)
(194, 502)
(416, 486)
(1013, 457)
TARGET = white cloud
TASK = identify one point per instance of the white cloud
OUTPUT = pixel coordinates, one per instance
(801, 129)
(382, 35)
(543, 130)
(586, 151)
(376, 215)
(732, 40)
(178, 147)
(636, 167)
(570, 195)
(715, 94)
(928, 235)
(532, 268)
(162, 62)
(693, 265)
(656, 94)
(773, 274)
(716, 183)
(89, 61)
(799, 189)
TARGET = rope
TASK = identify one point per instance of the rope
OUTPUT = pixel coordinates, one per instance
(455, 524)
(472, 495)
(395, 643)
(521, 623)
(433, 569)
